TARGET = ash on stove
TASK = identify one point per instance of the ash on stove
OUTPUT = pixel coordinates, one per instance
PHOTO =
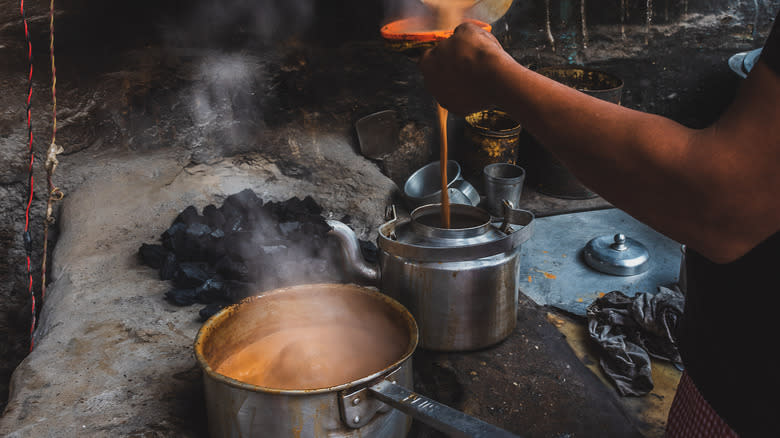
(243, 247)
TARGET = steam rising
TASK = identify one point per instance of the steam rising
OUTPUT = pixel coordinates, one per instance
(397, 9)
(445, 13)
(228, 42)
(224, 104)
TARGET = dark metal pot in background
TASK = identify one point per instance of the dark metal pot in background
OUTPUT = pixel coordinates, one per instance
(544, 172)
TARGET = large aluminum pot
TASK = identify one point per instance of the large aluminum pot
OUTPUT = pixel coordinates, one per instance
(359, 408)
(238, 409)
(461, 284)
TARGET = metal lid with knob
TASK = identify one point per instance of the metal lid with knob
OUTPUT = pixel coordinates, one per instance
(617, 255)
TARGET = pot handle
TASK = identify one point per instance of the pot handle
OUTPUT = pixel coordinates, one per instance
(439, 416)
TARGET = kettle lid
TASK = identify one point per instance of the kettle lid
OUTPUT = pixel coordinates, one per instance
(617, 255)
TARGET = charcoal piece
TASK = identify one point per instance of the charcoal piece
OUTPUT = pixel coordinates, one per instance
(241, 203)
(211, 310)
(249, 199)
(292, 209)
(216, 250)
(234, 218)
(171, 237)
(232, 269)
(190, 275)
(236, 291)
(211, 291)
(369, 250)
(234, 224)
(311, 205)
(316, 226)
(196, 244)
(188, 216)
(182, 297)
(267, 228)
(198, 240)
(286, 210)
(169, 267)
(240, 246)
(258, 218)
(152, 255)
(289, 229)
(197, 230)
(214, 218)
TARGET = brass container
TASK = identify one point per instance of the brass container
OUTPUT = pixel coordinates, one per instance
(491, 136)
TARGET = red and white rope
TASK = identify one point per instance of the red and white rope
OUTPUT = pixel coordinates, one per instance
(27, 237)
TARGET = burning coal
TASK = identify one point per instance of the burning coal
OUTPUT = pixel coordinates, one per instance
(224, 254)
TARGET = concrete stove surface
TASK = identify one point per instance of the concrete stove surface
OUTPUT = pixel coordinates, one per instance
(113, 358)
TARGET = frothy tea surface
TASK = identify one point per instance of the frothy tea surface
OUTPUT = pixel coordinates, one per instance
(314, 342)
(311, 358)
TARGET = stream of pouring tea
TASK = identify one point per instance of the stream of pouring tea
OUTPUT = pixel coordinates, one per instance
(445, 196)
(447, 14)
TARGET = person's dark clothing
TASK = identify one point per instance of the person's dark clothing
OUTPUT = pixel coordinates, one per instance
(729, 329)
(728, 334)
(770, 54)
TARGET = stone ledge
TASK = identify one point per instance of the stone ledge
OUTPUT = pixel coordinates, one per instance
(112, 357)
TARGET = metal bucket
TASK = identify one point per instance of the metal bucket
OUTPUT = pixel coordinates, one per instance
(545, 173)
(491, 136)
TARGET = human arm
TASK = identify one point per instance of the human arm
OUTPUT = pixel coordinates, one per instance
(715, 189)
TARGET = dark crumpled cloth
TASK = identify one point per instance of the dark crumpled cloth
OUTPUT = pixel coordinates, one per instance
(631, 330)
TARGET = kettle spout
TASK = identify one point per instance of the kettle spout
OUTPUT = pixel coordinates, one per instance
(351, 250)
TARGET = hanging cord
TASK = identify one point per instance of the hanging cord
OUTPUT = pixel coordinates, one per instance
(55, 194)
(27, 236)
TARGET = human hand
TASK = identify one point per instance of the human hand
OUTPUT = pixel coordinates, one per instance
(459, 71)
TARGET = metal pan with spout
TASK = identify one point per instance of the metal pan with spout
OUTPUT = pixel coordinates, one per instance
(316, 405)
(460, 283)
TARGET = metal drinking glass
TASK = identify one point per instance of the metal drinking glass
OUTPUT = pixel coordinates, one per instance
(503, 181)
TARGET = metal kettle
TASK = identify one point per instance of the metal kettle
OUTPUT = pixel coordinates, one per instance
(460, 284)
